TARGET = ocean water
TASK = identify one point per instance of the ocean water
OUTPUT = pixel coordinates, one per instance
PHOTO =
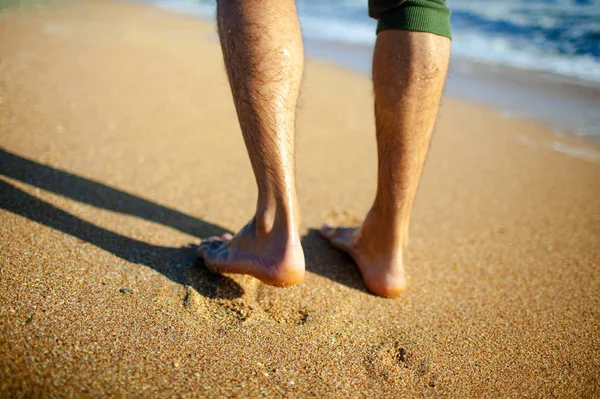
(532, 59)
(556, 36)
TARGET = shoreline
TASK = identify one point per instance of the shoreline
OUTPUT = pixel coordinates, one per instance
(566, 104)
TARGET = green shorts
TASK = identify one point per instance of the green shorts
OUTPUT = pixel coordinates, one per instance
(419, 15)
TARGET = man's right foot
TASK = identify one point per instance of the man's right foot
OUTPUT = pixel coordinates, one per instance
(377, 250)
(275, 258)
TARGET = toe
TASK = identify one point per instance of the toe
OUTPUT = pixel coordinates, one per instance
(209, 247)
(339, 237)
(211, 239)
(201, 250)
(327, 231)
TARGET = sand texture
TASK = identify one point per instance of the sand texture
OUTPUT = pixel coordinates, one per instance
(120, 149)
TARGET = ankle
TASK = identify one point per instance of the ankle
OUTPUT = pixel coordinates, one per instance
(386, 227)
(279, 220)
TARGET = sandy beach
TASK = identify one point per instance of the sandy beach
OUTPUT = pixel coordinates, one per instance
(120, 150)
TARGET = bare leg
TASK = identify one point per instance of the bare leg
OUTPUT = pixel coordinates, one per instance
(409, 70)
(262, 48)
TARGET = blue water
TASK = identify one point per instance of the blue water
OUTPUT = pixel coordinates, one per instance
(557, 36)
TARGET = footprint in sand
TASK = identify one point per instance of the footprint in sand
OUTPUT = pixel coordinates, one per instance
(243, 298)
(283, 309)
(394, 360)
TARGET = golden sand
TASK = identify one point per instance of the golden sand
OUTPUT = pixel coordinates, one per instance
(121, 149)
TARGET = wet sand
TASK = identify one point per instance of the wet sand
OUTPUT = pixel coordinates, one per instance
(568, 106)
(120, 149)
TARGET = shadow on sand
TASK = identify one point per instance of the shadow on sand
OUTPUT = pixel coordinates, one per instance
(328, 262)
(178, 264)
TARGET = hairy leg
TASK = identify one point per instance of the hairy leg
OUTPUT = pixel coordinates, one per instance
(262, 49)
(409, 70)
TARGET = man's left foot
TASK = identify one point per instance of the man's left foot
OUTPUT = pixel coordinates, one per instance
(275, 258)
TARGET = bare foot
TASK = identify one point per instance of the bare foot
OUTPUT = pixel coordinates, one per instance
(274, 258)
(376, 250)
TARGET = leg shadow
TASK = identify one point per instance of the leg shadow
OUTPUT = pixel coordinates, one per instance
(99, 195)
(337, 266)
(178, 264)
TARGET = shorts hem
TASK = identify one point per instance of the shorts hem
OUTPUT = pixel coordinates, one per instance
(418, 15)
